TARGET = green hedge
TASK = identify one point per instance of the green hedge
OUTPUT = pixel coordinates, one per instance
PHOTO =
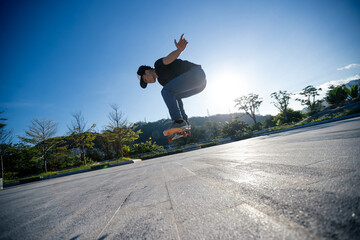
(209, 144)
(100, 166)
(158, 154)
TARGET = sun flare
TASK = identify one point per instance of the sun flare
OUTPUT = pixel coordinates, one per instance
(224, 86)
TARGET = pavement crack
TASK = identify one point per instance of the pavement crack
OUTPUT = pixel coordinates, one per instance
(117, 210)
(127, 197)
(171, 205)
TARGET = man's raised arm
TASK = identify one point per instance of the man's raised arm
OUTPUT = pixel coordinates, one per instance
(180, 47)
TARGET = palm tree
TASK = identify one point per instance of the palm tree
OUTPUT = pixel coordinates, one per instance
(353, 92)
(336, 95)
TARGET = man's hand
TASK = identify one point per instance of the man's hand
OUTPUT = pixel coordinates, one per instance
(181, 45)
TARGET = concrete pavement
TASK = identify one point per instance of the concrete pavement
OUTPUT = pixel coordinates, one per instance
(300, 184)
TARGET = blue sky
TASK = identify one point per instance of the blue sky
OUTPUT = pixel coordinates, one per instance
(61, 57)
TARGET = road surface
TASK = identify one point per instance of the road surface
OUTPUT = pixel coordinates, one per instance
(300, 184)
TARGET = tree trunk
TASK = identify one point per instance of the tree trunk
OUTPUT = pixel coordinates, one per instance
(121, 150)
(117, 146)
(44, 156)
(253, 117)
(45, 163)
(2, 167)
(83, 154)
(285, 116)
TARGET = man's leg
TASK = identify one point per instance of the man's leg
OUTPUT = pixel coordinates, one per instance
(183, 86)
(182, 111)
(171, 103)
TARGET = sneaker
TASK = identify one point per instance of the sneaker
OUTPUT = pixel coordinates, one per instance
(179, 124)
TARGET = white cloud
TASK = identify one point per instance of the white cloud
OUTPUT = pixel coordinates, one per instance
(326, 85)
(353, 65)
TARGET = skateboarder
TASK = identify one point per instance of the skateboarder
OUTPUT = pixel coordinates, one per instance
(180, 79)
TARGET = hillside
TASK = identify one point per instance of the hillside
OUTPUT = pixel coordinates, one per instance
(153, 130)
(222, 118)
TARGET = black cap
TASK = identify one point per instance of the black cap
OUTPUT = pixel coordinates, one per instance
(140, 73)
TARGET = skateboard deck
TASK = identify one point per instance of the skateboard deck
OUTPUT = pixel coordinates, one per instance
(175, 133)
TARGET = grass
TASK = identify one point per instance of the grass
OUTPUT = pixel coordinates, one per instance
(151, 155)
(319, 119)
(209, 144)
(52, 173)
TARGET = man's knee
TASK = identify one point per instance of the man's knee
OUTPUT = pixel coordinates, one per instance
(166, 93)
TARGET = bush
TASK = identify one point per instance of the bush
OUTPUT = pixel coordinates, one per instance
(95, 154)
(146, 147)
(62, 160)
(292, 117)
(23, 160)
(269, 122)
(10, 175)
(241, 135)
(29, 167)
(126, 151)
(256, 127)
(235, 127)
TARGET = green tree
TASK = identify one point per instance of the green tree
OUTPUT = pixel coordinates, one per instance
(235, 127)
(292, 117)
(39, 134)
(119, 131)
(5, 142)
(282, 102)
(353, 91)
(249, 104)
(21, 160)
(310, 93)
(336, 95)
(62, 157)
(104, 149)
(269, 122)
(82, 136)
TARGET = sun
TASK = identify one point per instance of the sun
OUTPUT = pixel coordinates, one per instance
(224, 86)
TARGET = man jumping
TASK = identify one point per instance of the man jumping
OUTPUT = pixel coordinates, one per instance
(180, 79)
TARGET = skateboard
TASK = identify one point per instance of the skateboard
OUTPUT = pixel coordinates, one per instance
(175, 133)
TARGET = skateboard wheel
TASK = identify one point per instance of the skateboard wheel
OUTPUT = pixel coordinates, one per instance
(184, 134)
(169, 139)
(189, 133)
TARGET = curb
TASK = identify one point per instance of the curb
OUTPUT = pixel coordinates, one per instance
(70, 173)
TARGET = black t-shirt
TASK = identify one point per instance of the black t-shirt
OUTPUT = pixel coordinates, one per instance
(168, 72)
